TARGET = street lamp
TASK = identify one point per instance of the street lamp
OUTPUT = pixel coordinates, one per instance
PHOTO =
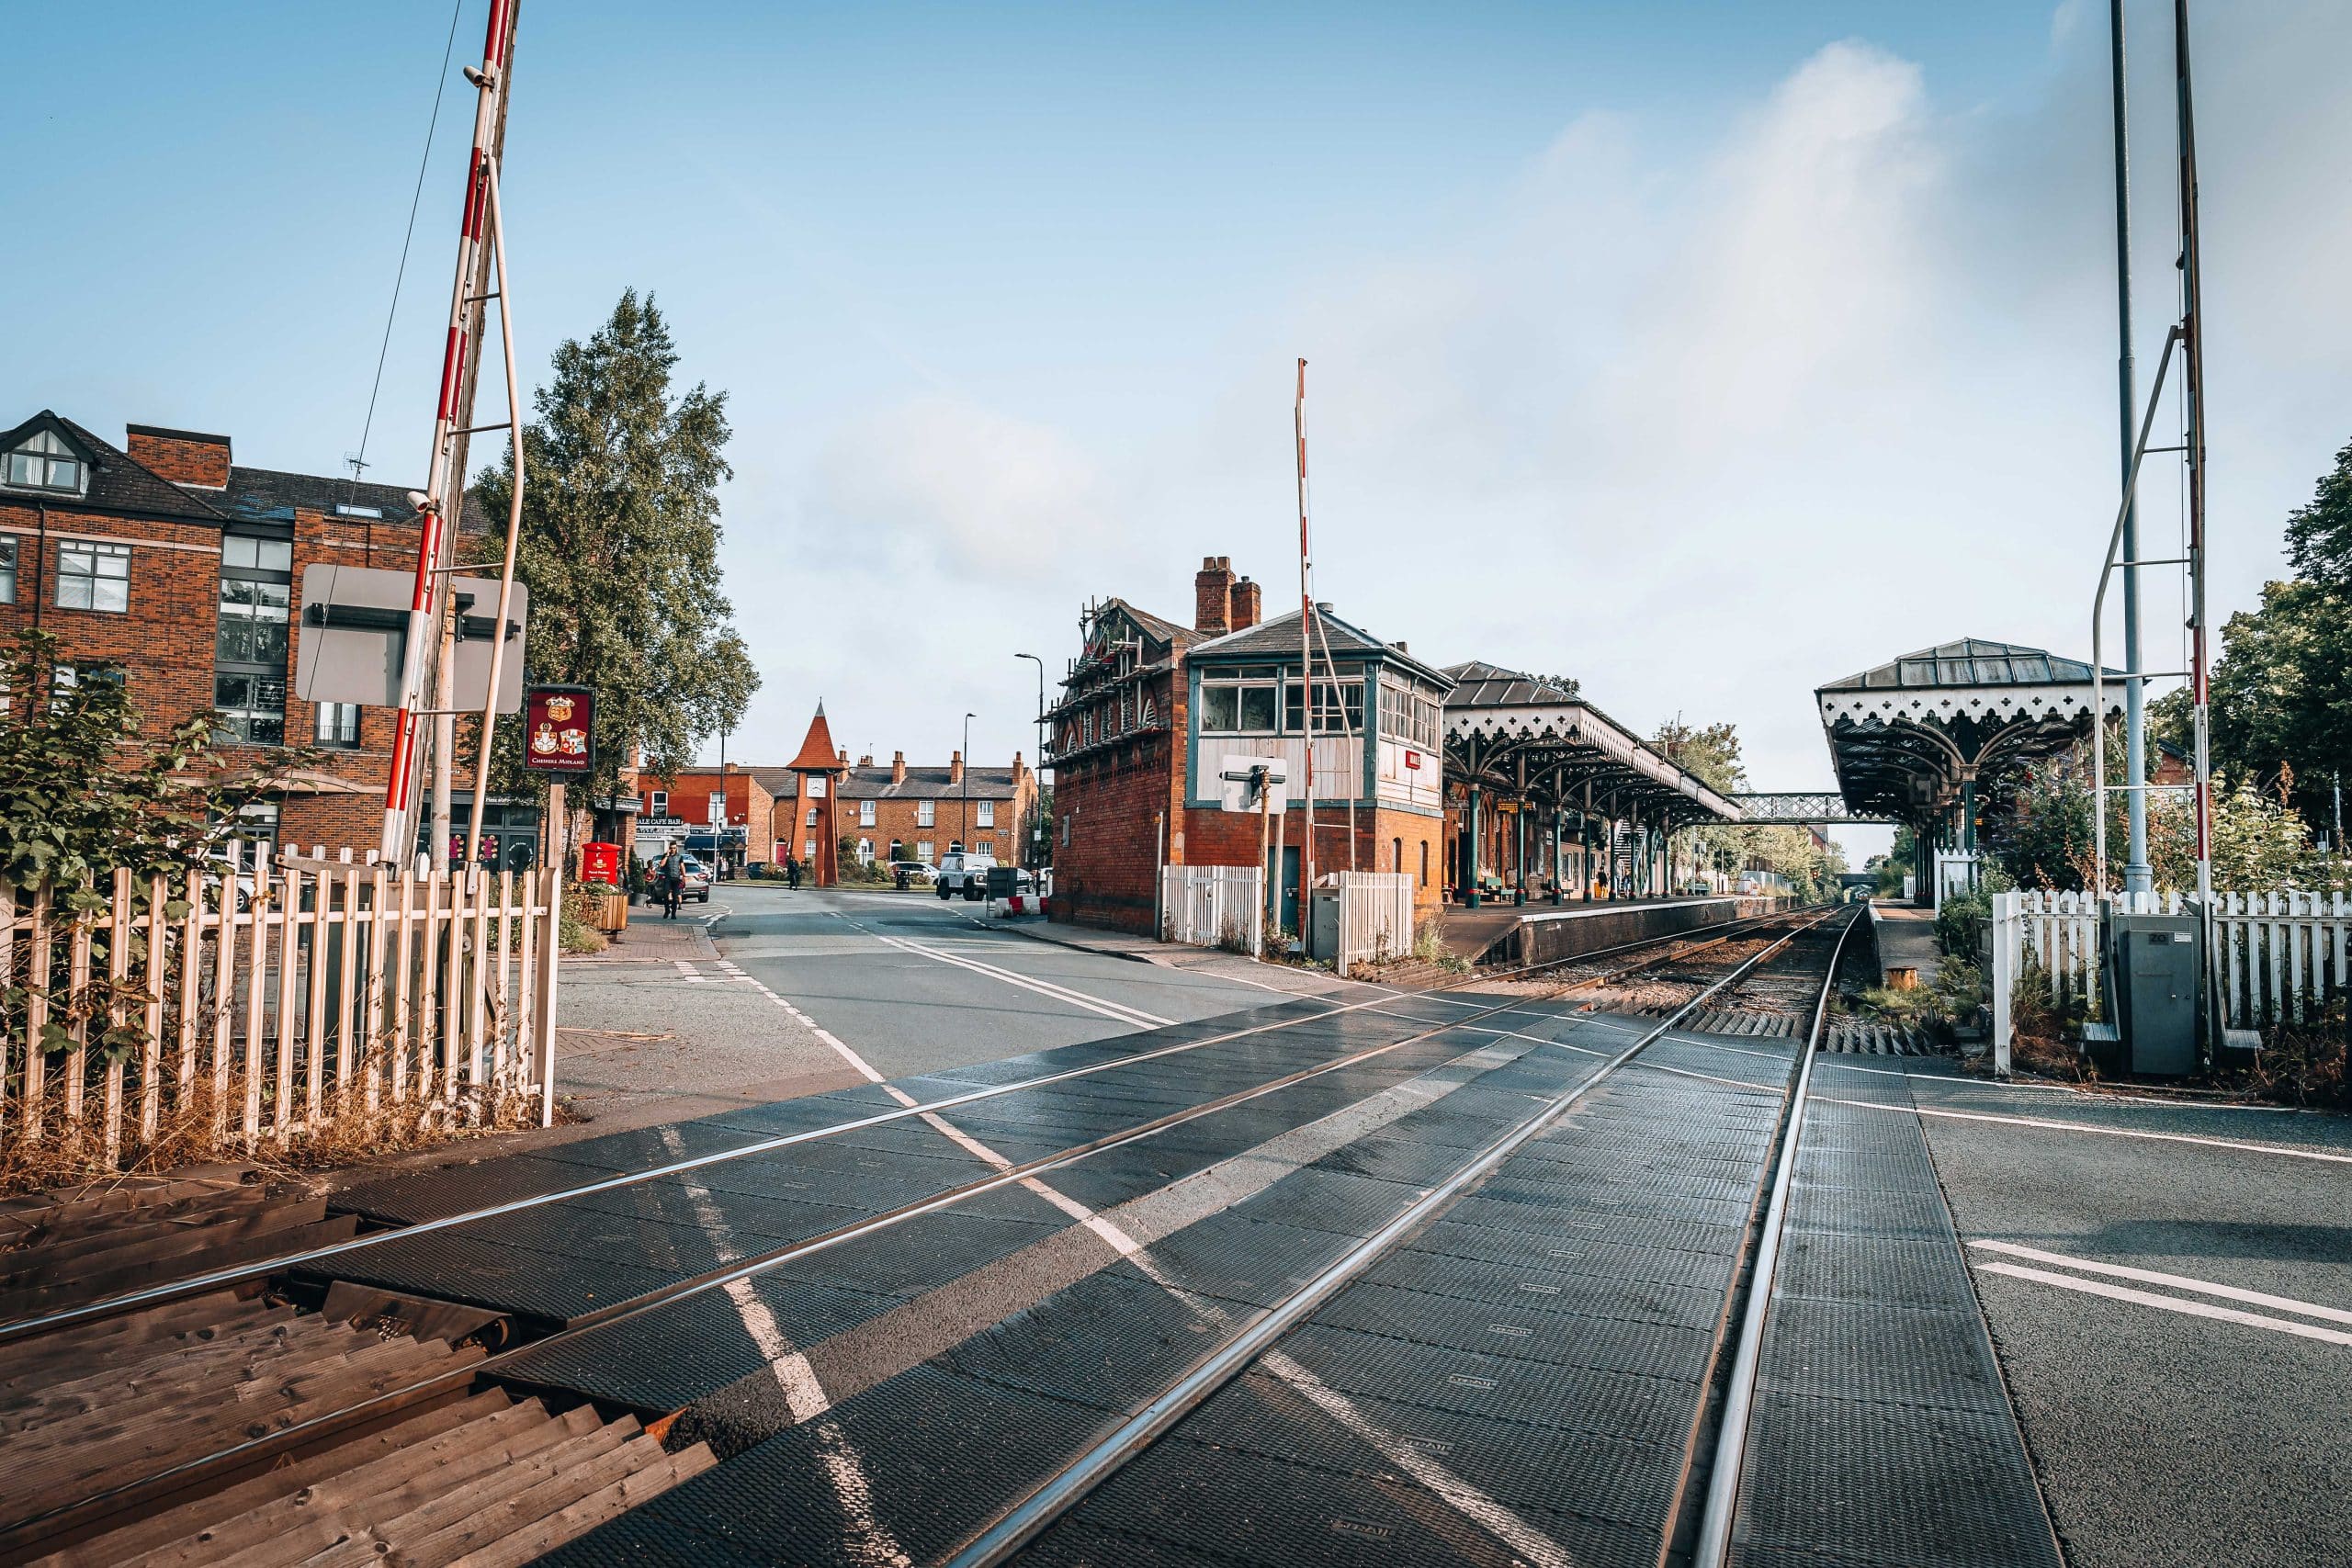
(967, 789)
(1037, 810)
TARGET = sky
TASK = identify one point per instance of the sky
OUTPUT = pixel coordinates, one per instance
(1705, 352)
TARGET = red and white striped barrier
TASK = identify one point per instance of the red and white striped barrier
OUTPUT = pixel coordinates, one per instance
(1021, 904)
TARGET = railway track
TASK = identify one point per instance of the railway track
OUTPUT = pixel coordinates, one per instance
(325, 1385)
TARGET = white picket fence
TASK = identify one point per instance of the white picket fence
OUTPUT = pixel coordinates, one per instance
(2278, 957)
(334, 990)
(1375, 916)
(1214, 905)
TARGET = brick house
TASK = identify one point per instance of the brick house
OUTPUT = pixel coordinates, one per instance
(1152, 712)
(680, 803)
(165, 565)
(900, 812)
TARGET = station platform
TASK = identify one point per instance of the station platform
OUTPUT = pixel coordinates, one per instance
(1540, 932)
(1905, 934)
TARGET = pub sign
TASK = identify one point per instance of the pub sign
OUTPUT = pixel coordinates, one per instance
(557, 721)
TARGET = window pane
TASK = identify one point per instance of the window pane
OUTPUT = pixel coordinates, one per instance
(277, 554)
(65, 473)
(73, 592)
(20, 468)
(1257, 710)
(231, 690)
(237, 550)
(1220, 706)
(271, 599)
(110, 594)
(112, 563)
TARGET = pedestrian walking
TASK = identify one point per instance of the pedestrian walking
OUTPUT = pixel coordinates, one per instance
(671, 875)
(791, 872)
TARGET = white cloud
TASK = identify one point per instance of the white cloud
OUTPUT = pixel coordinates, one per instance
(947, 488)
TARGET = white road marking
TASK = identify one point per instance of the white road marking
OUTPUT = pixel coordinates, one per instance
(2170, 1303)
(2044, 1122)
(819, 1031)
(804, 1396)
(1109, 1010)
(2179, 1281)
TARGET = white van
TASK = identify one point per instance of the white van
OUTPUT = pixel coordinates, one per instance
(966, 871)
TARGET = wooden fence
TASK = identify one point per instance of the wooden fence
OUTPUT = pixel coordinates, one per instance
(273, 1008)
(2278, 957)
(1214, 905)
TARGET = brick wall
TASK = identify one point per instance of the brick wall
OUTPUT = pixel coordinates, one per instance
(185, 458)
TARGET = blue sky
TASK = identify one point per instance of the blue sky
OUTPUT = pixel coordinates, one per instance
(1705, 352)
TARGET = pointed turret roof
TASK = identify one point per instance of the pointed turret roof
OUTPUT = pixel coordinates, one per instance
(816, 752)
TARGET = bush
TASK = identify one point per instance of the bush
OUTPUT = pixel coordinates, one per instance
(1956, 923)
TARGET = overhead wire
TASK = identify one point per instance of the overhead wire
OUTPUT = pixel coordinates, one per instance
(391, 314)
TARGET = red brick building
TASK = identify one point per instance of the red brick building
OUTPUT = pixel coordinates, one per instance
(165, 564)
(679, 805)
(1152, 714)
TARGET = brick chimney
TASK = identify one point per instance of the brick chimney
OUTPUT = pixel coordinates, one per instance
(867, 761)
(956, 767)
(1020, 770)
(1213, 596)
(183, 457)
(1245, 605)
(897, 767)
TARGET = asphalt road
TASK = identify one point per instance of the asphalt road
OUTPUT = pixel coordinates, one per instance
(2165, 1432)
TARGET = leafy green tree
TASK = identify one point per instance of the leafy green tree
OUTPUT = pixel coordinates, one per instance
(620, 545)
(1711, 753)
(2282, 688)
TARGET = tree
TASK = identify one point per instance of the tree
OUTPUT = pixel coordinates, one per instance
(620, 545)
(2282, 688)
(1710, 754)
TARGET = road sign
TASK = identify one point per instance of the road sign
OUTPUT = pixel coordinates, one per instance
(1249, 780)
(355, 626)
(558, 725)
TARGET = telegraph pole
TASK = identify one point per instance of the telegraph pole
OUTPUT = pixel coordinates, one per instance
(2137, 876)
(1306, 664)
(424, 684)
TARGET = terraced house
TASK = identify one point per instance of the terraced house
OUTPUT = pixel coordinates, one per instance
(163, 564)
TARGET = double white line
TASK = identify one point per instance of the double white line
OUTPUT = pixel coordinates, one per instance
(2099, 1287)
(1135, 1017)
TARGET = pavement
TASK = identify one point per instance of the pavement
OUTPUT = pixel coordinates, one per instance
(2169, 1286)
(1906, 939)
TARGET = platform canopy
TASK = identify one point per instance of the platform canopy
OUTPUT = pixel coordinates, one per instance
(1536, 738)
(1908, 737)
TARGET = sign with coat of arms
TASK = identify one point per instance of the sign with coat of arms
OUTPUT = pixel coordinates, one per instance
(557, 724)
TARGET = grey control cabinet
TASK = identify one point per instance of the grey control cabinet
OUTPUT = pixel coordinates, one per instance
(2155, 965)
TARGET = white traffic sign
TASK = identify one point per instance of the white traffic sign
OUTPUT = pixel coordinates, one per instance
(1248, 781)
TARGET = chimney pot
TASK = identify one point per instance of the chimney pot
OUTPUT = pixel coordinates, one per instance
(1213, 596)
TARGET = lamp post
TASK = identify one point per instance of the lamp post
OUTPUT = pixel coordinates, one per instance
(967, 788)
(1037, 805)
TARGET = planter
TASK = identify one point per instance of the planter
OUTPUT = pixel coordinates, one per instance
(608, 911)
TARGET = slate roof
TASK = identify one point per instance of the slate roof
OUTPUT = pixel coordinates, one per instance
(925, 784)
(1971, 662)
(1478, 684)
(1278, 639)
(271, 495)
(119, 482)
(1159, 627)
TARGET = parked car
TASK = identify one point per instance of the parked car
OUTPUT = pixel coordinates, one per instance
(907, 872)
(698, 881)
(966, 872)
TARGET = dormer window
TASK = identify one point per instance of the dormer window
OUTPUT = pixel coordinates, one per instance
(47, 463)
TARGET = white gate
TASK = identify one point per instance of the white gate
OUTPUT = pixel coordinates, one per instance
(1214, 905)
(1375, 916)
(2279, 956)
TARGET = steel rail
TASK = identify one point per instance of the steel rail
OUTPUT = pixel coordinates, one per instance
(160, 1487)
(1713, 1548)
(1021, 1523)
(262, 1269)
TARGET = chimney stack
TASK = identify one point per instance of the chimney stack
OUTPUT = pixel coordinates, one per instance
(1020, 770)
(956, 767)
(1245, 605)
(188, 460)
(897, 767)
(867, 761)
(1213, 596)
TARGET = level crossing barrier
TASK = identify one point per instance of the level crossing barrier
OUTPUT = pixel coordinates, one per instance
(203, 1010)
(2278, 957)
